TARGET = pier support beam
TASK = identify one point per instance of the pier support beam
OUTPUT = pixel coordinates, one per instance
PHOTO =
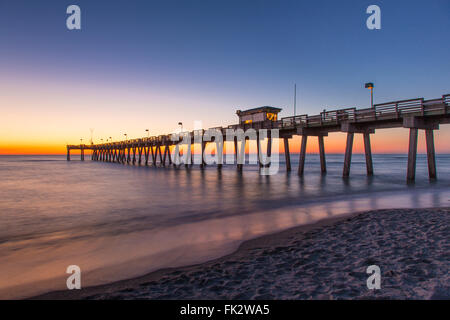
(368, 152)
(323, 163)
(189, 157)
(430, 154)
(154, 154)
(165, 155)
(68, 154)
(412, 155)
(202, 160)
(269, 148)
(235, 149)
(139, 155)
(220, 145)
(146, 152)
(258, 148)
(301, 163)
(158, 149)
(169, 155)
(348, 154)
(241, 155)
(287, 155)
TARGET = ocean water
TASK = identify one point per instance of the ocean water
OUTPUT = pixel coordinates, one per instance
(120, 221)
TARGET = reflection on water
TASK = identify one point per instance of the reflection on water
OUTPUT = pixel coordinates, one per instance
(118, 221)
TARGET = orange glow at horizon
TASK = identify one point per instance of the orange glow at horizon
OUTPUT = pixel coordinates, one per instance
(383, 141)
(54, 113)
(33, 149)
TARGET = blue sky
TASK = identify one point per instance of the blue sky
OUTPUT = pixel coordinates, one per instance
(202, 59)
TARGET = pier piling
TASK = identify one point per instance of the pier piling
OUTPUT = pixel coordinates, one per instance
(286, 154)
(430, 154)
(348, 154)
(269, 149)
(301, 163)
(412, 154)
(368, 153)
(323, 164)
(258, 149)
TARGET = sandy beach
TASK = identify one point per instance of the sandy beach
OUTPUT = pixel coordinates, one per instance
(326, 260)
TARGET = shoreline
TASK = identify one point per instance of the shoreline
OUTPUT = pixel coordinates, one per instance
(227, 277)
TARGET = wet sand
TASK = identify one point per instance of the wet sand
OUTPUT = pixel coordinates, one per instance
(326, 260)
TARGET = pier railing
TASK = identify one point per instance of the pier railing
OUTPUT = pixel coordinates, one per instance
(446, 99)
(382, 111)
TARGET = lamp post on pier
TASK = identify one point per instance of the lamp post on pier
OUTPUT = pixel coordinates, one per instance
(370, 86)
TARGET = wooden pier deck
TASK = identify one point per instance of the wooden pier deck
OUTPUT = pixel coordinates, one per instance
(413, 114)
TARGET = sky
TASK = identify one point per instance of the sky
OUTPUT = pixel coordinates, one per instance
(137, 65)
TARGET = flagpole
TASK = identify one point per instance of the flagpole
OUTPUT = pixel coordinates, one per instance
(295, 99)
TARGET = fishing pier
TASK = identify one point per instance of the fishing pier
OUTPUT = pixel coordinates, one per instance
(413, 114)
